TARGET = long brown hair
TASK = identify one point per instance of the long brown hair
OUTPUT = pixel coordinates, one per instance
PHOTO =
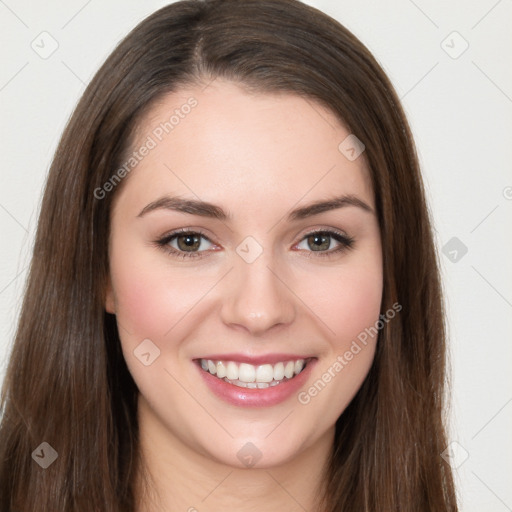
(67, 383)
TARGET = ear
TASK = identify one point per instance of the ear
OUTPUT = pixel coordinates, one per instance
(110, 302)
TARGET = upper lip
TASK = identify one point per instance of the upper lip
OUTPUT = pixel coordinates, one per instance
(256, 360)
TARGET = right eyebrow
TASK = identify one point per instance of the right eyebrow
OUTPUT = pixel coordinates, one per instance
(191, 206)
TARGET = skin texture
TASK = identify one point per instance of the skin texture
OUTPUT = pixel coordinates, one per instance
(258, 156)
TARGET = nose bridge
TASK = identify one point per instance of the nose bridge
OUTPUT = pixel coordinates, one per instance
(256, 297)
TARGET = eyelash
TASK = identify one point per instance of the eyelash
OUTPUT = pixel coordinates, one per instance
(346, 243)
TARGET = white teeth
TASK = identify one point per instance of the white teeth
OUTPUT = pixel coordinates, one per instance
(221, 370)
(246, 372)
(232, 371)
(279, 371)
(264, 373)
(252, 385)
(289, 369)
(250, 376)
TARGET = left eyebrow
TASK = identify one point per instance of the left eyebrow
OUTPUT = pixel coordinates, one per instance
(324, 206)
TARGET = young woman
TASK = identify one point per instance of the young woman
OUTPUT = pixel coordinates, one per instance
(234, 298)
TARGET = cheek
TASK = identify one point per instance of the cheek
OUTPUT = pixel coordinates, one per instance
(140, 307)
(356, 305)
(151, 300)
(348, 301)
(350, 307)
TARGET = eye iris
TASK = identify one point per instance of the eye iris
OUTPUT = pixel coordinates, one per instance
(318, 242)
(187, 242)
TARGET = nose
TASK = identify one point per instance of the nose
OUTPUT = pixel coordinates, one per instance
(256, 297)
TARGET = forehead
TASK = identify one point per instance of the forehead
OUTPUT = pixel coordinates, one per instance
(244, 150)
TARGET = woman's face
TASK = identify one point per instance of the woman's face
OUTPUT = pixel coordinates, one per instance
(262, 277)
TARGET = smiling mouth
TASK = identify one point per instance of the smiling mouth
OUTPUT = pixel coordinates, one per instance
(250, 376)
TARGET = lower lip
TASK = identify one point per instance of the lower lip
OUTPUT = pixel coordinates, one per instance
(248, 397)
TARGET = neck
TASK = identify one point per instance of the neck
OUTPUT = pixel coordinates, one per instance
(173, 477)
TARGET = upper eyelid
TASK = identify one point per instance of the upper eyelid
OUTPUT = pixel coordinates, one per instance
(185, 231)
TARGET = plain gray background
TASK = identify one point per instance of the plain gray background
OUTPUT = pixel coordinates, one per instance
(450, 64)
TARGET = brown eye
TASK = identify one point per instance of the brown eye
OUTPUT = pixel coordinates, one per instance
(189, 242)
(325, 243)
(185, 243)
(319, 242)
